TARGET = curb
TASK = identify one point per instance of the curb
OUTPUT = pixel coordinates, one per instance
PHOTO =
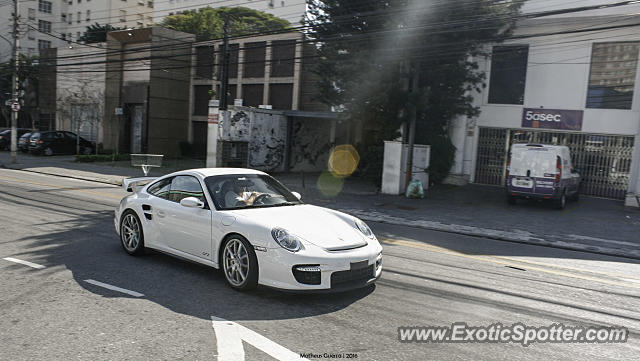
(90, 179)
(517, 236)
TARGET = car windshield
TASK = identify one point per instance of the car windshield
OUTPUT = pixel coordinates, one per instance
(240, 191)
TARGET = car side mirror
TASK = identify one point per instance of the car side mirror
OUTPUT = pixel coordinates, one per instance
(192, 202)
(298, 195)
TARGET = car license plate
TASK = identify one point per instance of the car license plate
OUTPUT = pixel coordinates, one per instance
(522, 183)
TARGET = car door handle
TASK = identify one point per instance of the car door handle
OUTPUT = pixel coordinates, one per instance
(161, 214)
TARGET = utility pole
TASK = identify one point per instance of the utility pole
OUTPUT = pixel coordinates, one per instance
(413, 94)
(15, 104)
(224, 81)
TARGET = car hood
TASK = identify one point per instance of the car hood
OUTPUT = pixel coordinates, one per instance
(322, 227)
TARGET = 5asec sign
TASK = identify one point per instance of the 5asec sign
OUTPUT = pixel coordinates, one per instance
(552, 119)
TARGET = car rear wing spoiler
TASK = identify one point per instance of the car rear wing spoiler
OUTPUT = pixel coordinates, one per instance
(131, 184)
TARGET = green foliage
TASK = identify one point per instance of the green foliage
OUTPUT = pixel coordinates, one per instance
(97, 33)
(367, 51)
(90, 158)
(208, 23)
(28, 81)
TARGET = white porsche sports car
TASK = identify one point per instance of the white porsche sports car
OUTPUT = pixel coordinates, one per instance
(249, 225)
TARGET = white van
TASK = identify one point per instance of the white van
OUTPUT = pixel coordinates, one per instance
(543, 172)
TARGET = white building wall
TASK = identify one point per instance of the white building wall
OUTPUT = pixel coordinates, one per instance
(29, 35)
(557, 78)
(291, 10)
(139, 14)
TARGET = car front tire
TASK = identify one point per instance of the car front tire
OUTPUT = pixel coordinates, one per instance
(239, 263)
(131, 233)
(47, 151)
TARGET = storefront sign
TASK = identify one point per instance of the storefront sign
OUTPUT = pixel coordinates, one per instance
(552, 119)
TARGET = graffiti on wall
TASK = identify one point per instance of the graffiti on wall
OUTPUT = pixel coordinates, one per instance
(310, 145)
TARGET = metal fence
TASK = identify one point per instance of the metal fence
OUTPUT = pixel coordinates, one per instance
(604, 161)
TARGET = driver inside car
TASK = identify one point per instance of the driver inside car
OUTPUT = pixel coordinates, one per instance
(235, 194)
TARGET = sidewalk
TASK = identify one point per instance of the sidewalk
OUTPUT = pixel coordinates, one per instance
(593, 224)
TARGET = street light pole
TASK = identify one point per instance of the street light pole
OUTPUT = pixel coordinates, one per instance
(14, 86)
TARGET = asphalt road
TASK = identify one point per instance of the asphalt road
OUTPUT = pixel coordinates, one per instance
(429, 278)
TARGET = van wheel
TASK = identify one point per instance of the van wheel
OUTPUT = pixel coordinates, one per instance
(560, 202)
(511, 200)
(576, 196)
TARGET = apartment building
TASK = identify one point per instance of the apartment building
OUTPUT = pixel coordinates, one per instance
(565, 68)
(52, 23)
(291, 10)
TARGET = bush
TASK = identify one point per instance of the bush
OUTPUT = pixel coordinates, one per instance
(101, 157)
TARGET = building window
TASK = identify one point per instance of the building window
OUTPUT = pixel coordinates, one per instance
(70, 18)
(613, 74)
(281, 96)
(252, 94)
(44, 6)
(30, 35)
(201, 99)
(508, 74)
(44, 44)
(283, 53)
(44, 26)
(204, 62)
(79, 19)
(88, 16)
(32, 14)
(123, 16)
(254, 59)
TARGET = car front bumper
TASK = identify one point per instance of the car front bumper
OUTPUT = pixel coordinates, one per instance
(339, 271)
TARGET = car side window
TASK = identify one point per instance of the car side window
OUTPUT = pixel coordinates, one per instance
(184, 186)
(161, 188)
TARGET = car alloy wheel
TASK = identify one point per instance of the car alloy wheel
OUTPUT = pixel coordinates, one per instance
(131, 233)
(48, 151)
(239, 264)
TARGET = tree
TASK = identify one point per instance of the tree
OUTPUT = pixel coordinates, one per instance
(208, 23)
(97, 33)
(28, 76)
(368, 49)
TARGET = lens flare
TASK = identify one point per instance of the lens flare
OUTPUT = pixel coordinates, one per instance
(343, 160)
(329, 185)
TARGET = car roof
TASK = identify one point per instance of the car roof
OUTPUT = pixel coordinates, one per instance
(206, 172)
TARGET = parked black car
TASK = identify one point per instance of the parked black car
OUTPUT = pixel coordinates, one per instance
(23, 142)
(58, 142)
(5, 137)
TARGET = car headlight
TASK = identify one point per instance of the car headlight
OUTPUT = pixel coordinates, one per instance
(286, 240)
(364, 228)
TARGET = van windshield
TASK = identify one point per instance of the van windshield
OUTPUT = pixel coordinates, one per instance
(541, 162)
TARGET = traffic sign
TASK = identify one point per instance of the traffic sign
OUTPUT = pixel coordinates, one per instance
(15, 106)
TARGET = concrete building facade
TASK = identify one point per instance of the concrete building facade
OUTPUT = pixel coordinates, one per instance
(146, 107)
(586, 81)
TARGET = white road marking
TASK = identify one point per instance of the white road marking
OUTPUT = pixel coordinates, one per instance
(229, 337)
(26, 263)
(114, 288)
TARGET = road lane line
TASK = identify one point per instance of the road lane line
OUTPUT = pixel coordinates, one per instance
(442, 250)
(229, 337)
(114, 288)
(26, 263)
